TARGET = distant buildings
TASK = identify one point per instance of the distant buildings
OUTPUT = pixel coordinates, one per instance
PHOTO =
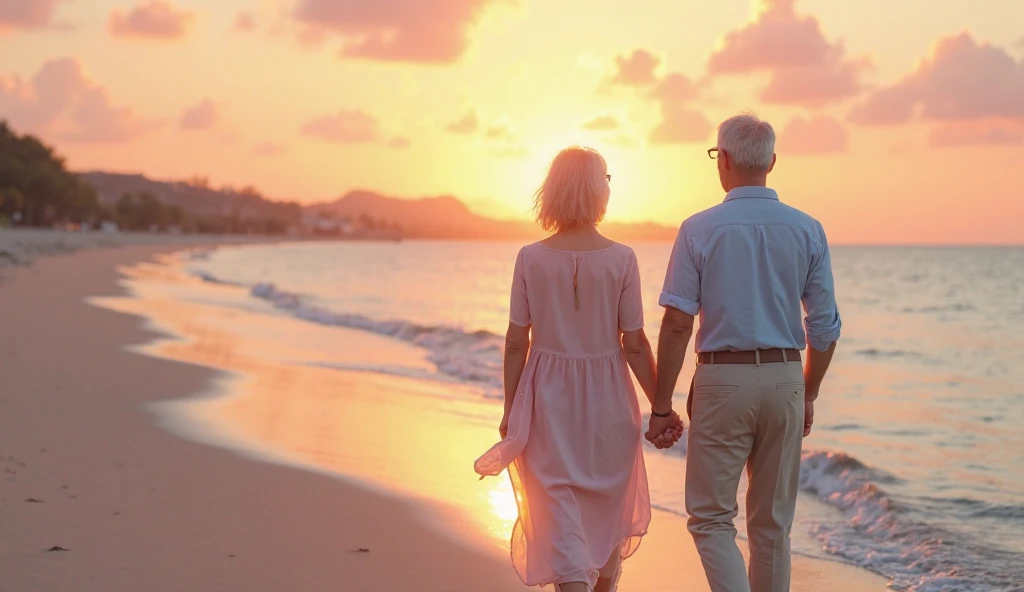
(364, 227)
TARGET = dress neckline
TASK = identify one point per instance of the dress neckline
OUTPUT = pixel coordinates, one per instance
(611, 246)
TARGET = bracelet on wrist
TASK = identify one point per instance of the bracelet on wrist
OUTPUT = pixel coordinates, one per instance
(656, 414)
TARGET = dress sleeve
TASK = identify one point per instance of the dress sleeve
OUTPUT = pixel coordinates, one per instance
(519, 305)
(631, 302)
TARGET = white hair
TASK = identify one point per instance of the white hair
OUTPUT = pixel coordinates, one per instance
(748, 141)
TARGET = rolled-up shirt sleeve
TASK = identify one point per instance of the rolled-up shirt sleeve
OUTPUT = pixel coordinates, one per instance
(682, 280)
(822, 322)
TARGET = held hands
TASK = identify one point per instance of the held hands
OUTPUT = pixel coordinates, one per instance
(663, 432)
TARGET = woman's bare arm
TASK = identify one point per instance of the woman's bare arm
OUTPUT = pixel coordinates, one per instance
(641, 359)
(517, 346)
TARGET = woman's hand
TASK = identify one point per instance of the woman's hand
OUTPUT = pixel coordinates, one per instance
(503, 426)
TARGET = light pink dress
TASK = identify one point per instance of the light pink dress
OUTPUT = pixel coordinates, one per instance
(573, 448)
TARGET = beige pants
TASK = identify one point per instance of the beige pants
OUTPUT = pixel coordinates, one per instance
(752, 416)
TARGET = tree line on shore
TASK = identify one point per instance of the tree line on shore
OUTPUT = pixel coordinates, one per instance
(37, 190)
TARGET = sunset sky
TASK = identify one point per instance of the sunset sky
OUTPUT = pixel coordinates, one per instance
(897, 121)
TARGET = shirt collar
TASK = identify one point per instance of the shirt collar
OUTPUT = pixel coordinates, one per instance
(752, 191)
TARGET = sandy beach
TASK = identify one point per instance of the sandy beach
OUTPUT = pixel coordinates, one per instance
(107, 453)
(21, 246)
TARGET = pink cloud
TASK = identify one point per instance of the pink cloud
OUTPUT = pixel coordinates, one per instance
(680, 125)
(60, 101)
(155, 19)
(394, 30)
(962, 80)
(806, 68)
(817, 135)
(890, 106)
(777, 38)
(636, 69)
(970, 133)
(639, 70)
(602, 123)
(815, 85)
(37, 103)
(399, 142)
(347, 127)
(269, 149)
(675, 88)
(671, 92)
(95, 119)
(467, 124)
(245, 22)
(202, 116)
(27, 14)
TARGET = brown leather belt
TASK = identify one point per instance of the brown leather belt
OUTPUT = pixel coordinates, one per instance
(768, 356)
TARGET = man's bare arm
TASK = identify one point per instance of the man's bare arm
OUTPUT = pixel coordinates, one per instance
(815, 369)
(676, 330)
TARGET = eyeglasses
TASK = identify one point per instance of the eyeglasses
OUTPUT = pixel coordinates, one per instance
(713, 153)
(609, 177)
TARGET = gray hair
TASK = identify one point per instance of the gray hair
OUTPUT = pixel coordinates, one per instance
(748, 141)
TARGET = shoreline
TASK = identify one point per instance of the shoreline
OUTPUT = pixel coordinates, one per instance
(436, 526)
(22, 247)
(141, 509)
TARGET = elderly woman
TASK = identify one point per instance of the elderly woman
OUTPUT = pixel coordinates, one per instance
(571, 429)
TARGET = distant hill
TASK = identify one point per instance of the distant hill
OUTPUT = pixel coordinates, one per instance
(489, 208)
(194, 196)
(445, 217)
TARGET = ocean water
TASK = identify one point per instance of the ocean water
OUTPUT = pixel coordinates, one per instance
(916, 458)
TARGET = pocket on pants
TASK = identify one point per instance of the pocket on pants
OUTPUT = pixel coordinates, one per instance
(714, 390)
(792, 387)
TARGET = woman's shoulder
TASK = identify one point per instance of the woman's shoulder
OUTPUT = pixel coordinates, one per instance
(530, 249)
(622, 250)
(530, 253)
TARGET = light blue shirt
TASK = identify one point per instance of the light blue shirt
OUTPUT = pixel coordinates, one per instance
(745, 266)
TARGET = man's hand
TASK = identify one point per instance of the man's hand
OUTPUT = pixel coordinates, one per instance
(808, 416)
(663, 432)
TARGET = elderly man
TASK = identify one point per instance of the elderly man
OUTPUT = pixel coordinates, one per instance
(745, 266)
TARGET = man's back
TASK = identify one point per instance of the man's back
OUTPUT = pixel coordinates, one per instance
(745, 266)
